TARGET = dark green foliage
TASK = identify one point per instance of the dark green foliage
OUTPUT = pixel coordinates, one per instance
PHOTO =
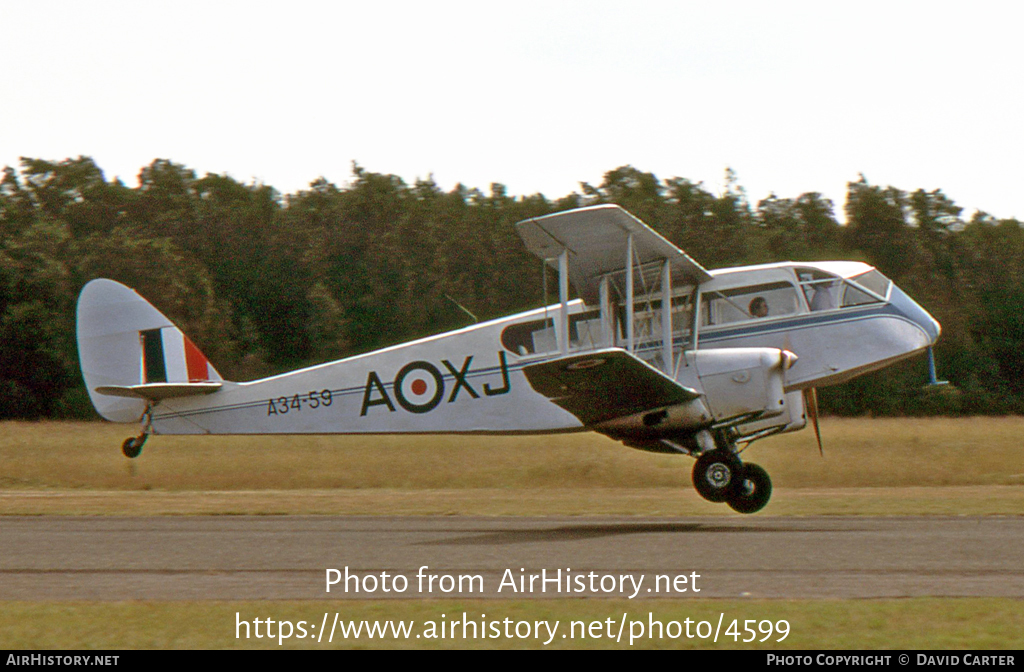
(801, 229)
(264, 283)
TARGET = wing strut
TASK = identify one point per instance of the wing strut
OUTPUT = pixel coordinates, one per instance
(629, 294)
(666, 319)
(563, 297)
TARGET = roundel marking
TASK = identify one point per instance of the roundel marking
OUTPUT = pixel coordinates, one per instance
(585, 364)
(419, 387)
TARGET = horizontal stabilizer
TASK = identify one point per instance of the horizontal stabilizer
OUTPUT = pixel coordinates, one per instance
(158, 391)
(605, 384)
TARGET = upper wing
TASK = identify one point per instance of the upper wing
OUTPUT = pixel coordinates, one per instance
(605, 384)
(596, 238)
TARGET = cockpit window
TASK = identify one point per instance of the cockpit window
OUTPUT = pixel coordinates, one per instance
(825, 291)
(821, 289)
(749, 303)
(874, 281)
(527, 338)
(855, 296)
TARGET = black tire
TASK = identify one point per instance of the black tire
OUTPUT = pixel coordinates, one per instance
(754, 492)
(132, 447)
(716, 476)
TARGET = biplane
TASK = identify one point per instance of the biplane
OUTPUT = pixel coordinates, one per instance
(653, 350)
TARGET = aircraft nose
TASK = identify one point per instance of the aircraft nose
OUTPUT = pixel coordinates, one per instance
(936, 326)
(921, 317)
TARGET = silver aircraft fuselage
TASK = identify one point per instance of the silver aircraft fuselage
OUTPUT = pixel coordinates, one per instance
(471, 380)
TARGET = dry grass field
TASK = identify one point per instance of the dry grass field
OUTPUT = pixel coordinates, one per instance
(870, 466)
(907, 624)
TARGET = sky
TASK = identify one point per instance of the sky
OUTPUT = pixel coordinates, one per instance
(794, 96)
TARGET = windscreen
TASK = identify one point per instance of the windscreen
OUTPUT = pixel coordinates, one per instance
(875, 282)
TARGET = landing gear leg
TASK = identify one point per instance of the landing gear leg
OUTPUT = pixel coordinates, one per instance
(132, 446)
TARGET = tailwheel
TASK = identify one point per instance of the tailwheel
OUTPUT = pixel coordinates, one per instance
(717, 475)
(754, 491)
(132, 446)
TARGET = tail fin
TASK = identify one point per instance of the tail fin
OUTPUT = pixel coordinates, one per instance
(131, 353)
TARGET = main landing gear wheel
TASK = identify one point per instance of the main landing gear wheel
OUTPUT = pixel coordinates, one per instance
(132, 446)
(754, 491)
(717, 475)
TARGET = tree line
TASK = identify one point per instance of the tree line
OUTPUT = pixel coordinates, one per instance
(264, 282)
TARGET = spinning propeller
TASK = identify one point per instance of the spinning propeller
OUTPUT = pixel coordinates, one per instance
(811, 404)
(810, 401)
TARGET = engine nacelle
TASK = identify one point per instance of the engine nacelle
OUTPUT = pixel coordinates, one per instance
(737, 385)
(742, 382)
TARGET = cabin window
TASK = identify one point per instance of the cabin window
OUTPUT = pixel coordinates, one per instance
(585, 329)
(527, 338)
(755, 302)
(647, 317)
(538, 336)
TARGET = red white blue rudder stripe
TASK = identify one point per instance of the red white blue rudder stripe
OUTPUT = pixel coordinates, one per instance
(123, 340)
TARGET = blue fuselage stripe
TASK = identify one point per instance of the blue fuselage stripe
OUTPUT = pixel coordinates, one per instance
(708, 334)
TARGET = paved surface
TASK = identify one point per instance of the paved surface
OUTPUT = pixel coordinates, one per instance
(287, 557)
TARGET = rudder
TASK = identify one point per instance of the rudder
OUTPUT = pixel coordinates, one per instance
(124, 341)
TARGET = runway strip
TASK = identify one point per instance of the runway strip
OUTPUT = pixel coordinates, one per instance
(286, 557)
